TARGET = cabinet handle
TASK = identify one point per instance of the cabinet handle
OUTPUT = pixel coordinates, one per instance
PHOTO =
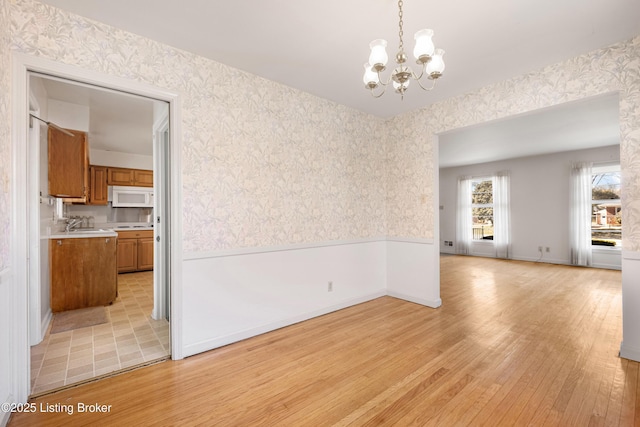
(59, 242)
(106, 240)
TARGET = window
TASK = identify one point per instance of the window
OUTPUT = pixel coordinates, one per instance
(482, 208)
(606, 221)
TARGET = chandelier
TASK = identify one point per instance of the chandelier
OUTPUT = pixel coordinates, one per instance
(427, 56)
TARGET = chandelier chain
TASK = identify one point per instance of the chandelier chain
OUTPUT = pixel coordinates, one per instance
(400, 31)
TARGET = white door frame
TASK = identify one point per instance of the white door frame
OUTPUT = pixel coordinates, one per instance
(21, 65)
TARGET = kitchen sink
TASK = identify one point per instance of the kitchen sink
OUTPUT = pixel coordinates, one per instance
(90, 231)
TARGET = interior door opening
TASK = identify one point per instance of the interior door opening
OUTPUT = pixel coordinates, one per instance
(127, 144)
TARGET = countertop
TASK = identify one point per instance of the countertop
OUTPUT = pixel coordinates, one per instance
(101, 230)
(83, 234)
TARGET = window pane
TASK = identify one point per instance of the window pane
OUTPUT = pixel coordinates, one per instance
(482, 223)
(482, 192)
(606, 224)
(605, 186)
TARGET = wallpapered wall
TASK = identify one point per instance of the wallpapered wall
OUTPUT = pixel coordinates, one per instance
(411, 167)
(5, 135)
(263, 164)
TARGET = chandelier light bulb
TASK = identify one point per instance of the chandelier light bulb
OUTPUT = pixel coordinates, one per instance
(436, 66)
(370, 77)
(423, 51)
(378, 57)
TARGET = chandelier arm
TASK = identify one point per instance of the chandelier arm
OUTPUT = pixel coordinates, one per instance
(384, 89)
(427, 88)
(382, 82)
(422, 70)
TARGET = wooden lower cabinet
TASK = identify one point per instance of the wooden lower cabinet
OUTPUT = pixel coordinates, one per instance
(135, 251)
(145, 254)
(127, 255)
(83, 272)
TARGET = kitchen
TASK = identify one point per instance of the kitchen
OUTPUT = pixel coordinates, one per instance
(98, 274)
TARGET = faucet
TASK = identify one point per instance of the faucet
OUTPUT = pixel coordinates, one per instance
(72, 223)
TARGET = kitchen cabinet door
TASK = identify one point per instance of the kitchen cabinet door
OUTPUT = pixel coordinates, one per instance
(83, 272)
(130, 177)
(142, 178)
(68, 161)
(119, 176)
(145, 254)
(127, 255)
(98, 190)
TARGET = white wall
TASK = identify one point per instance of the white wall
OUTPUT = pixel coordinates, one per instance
(539, 204)
(235, 295)
(68, 116)
(122, 160)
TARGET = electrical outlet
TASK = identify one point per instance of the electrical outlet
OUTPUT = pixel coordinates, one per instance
(330, 287)
(547, 249)
(539, 248)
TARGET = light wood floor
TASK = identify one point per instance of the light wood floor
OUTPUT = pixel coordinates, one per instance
(514, 343)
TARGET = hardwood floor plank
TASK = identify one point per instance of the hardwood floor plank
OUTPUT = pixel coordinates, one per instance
(514, 343)
(627, 414)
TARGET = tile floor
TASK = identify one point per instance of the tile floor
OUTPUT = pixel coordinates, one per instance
(130, 338)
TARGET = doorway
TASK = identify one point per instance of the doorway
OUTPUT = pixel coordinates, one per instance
(125, 132)
(536, 150)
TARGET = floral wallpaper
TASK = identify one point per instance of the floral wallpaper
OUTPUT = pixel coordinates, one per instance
(411, 165)
(263, 164)
(5, 136)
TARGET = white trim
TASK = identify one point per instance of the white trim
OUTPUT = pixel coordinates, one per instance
(427, 302)
(235, 337)
(189, 256)
(20, 232)
(410, 240)
(36, 333)
(22, 64)
(44, 326)
(4, 416)
(5, 276)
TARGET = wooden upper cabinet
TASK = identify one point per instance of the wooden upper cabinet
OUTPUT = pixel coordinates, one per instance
(98, 191)
(129, 177)
(68, 159)
(142, 178)
(119, 176)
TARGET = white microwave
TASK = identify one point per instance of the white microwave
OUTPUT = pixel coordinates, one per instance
(131, 197)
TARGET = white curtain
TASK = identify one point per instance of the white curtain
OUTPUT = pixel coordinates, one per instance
(581, 213)
(464, 233)
(501, 216)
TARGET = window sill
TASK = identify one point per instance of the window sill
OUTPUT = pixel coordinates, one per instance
(596, 248)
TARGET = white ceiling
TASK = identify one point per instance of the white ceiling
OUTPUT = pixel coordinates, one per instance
(117, 121)
(589, 123)
(321, 46)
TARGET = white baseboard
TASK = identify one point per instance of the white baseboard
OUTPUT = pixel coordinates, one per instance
(207, 345)
(429, 303)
